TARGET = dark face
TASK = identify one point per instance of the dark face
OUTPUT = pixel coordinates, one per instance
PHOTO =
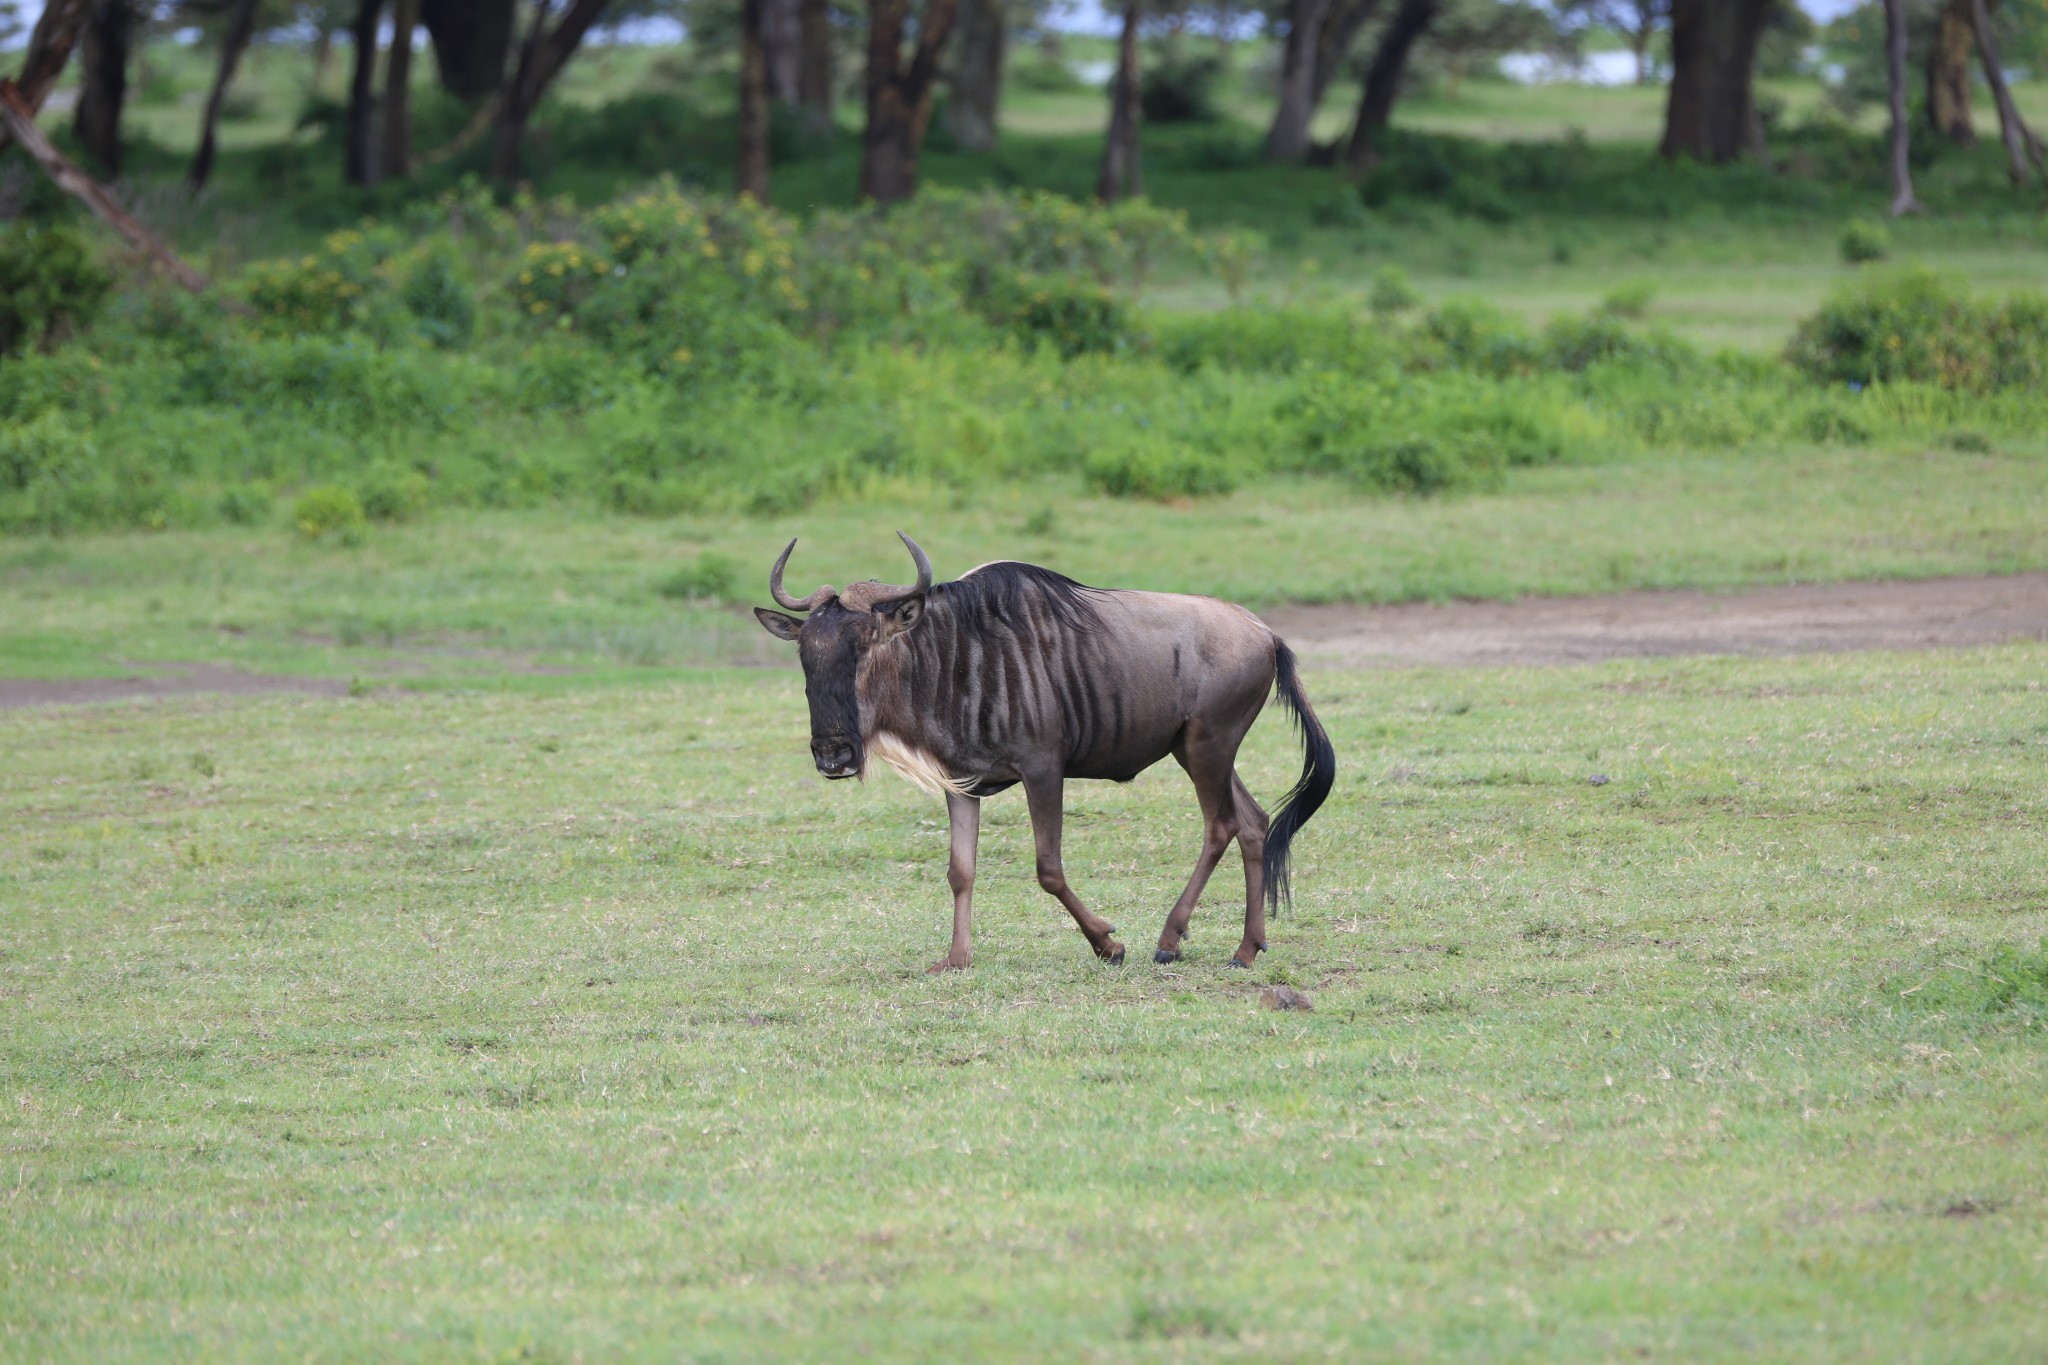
(831, 644)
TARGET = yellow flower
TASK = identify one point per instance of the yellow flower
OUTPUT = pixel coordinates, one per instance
(526, 277)
(538, 308)
(682, 355)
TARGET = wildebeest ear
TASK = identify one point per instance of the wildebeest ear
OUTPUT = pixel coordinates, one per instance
(778, 625)
(900, 615)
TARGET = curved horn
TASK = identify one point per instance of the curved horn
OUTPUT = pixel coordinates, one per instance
(924, 565)
(793, 603)
(880, 593)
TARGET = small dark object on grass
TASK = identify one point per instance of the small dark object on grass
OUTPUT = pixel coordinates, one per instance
(1284, 998)
(1599, 779)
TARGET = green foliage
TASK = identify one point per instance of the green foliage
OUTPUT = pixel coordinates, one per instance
(1072, 316)
(1180, 85)
(713, 578)
(1864, 240)
(1630, 300)
(1913, 325)
(51, 285)
(329, 510)
(1392, 292)
(1149, 464)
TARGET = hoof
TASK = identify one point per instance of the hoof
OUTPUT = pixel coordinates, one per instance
(1115, 959)
(945, 964)
(1241, 966)
(1165, 955)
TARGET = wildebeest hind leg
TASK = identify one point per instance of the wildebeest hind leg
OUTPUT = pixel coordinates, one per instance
(1208, 767)
(1251, 842)
(1042, 793)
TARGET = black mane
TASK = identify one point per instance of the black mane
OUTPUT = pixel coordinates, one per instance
(1000, 590)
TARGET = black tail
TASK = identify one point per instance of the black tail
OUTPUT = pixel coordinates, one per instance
(1318, 775)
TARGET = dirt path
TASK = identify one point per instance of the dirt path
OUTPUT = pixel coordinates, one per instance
(173, 680)
(1804, 619)
(1801, 619)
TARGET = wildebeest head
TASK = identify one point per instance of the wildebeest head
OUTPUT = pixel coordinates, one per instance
(831, 641)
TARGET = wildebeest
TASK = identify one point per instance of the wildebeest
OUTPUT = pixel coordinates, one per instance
(1014, 673)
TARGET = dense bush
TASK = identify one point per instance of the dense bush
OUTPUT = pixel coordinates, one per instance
(671, 353)
(1917, 326)
(51, 285)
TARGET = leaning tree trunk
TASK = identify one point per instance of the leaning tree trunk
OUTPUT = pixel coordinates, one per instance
(1122, 177)
(43, 60)
(541, 58)
(1903, 201)
(753, 165)
(815, 83)
(976, 89)
(472, 40)
(1287, 141)
(1383, 80)
(359, 151)
(103, 84)
(232, 44)
(1948, 74)
(397, 154)
(1711, 113)
(2020, 146)
(782, 44)
(899, 95)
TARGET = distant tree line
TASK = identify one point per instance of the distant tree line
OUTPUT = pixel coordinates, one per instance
(498, 59)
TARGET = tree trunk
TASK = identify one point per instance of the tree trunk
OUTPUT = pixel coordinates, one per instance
(1122, 177)
(899, 95)
(1948, 74)
(814, 69)
(977, 85)
(359, 152)
(397, 158)
(1903, 201)
(1342, 22)
(103, 82)
(42, 62)
(782, 42)
(2020, 146)
(472, 39)
(241, 26)
(1383, 79)
(753, 167)
(1711, 115)
(1288, 139)
(541, 58)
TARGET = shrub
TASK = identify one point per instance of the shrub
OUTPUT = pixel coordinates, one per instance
(1180, 87)
(390, 491)
(437, 294)
(1073, 317)
(1631, 300)
(1392, 292)
(51, 286)
(713, 578)
(329, 510)
(246, 504)
(1863, 241)
(1151, 466)
(1917, 326)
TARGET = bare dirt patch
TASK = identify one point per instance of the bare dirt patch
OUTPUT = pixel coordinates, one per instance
(176, 680)
(1797, 619)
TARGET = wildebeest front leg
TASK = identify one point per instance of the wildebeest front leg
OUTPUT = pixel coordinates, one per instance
(964, 814)
(1042, 793)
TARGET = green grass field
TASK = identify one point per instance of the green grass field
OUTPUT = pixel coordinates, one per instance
(590, 1024)
(448, 599)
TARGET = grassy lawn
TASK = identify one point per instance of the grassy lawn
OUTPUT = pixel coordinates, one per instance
(444, 597)
(589, 1023)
